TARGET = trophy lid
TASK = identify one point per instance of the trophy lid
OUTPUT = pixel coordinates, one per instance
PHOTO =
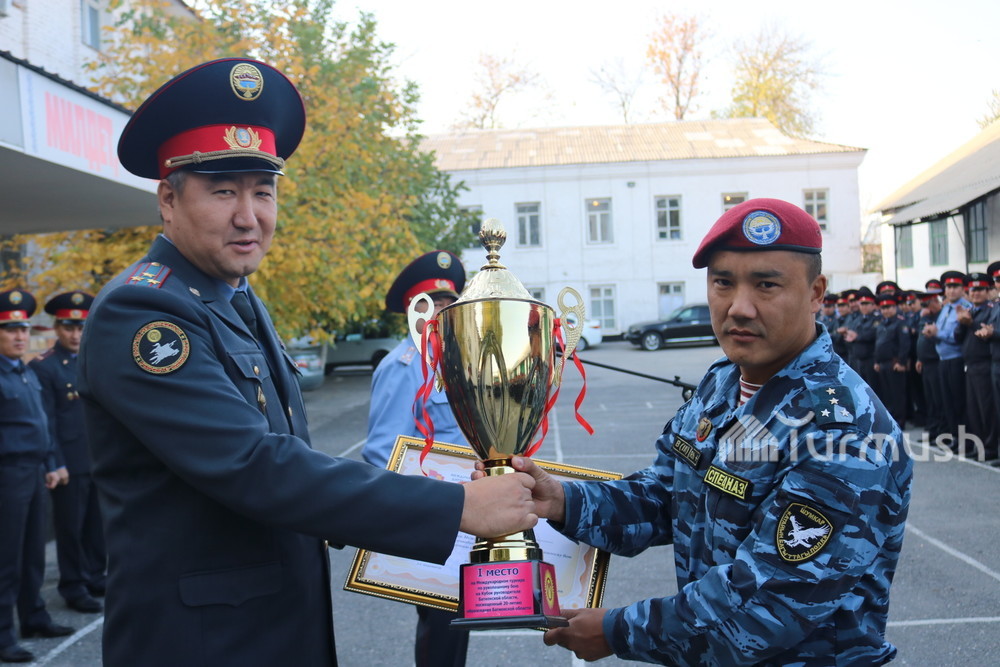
(494, 280)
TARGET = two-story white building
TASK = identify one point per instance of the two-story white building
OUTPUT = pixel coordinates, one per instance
(617, 212)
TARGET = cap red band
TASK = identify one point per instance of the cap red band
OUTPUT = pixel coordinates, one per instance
(13, 315)
(866, 299)
(431, 286)
(240, 140)
(71, 314)
(954, 281)
(887, 302)
(979, 283)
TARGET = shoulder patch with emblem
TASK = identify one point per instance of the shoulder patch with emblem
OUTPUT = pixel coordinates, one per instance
(160, 347)
(729, 483)
(833, 405)
(149, 274)
(803, 531)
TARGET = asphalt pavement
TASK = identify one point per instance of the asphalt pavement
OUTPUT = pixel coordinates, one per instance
(945, 609)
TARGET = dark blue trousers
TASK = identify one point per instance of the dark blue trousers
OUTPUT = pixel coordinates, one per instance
(22, 547)
(79, 537)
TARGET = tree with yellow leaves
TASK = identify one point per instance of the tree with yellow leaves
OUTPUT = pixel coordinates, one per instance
(358, 201)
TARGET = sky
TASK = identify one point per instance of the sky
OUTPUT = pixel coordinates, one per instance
(906, 80)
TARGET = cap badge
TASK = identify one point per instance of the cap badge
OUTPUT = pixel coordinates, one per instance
(77, 298)
(15, 297)
(242, 137)
(761, 228)
(246, 81)
(444, 260)
(76, 314)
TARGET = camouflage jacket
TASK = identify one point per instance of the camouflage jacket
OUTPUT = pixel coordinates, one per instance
(786, 516)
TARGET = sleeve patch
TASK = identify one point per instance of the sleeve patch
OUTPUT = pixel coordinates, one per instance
(149, 274)
(802, 533)
(160, 347)
(832, 405)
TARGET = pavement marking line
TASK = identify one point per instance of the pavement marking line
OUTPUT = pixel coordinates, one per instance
(944, 621)
(69, 641)
(350, 449)
(969, 560)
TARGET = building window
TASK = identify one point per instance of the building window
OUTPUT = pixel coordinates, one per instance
(938, 231)
(599, 221)
(529, 224)
(731, 199)
(475, 212)
(976, 231)
(904, 247)
(668, 217)
(815, 205)
(670, 298)
(90, 22)
(537, 293)
(602, 306)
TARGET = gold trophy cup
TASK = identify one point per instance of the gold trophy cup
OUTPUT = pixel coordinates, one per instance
(497, 366)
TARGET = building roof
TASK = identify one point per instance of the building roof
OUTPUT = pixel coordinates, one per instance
(679, 140)
(969, 172)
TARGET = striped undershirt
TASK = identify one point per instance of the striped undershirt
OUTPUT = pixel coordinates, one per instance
(747, 390)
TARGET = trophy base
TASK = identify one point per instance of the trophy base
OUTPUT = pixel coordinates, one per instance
(540, 621)
(508, 594)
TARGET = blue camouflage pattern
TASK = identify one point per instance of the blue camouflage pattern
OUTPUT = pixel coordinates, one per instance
(789, 559)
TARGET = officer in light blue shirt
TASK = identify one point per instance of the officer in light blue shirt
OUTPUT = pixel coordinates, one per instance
(395, 384)
(949, 349)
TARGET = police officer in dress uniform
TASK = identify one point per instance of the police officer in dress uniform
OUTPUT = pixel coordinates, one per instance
(215, 505)
(949, 349)
(892, 348)
(980, 410)
(991, 332)
(860, 338)
(828, 318)
(28, 464)
(927, 361)
(784, 554)
(916, 407)
(395, 384)
(75, 511)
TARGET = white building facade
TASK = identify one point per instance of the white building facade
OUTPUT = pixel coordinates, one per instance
(620, 222)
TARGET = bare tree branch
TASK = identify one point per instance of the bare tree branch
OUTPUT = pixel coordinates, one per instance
(992, 110)
(675, 52)
(614, 80)
(498, 79)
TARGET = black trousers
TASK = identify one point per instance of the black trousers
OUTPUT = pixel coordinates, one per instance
(79, 537)
(437, 644)
(891, 391)
(22, 547)
(953, 394)
(930, 375)
(981, 415)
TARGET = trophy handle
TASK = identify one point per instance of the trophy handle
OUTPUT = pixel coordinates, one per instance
(572, 332)
(413, 319)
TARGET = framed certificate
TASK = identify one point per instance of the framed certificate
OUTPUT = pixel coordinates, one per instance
(581, 570)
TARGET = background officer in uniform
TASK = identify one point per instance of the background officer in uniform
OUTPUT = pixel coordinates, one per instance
(75, 511)
(216, 508)
(949, 349)
(892, 349)
(783, 556)
(28, 465)
(980, 411)
(927, 363)
(860, 338)
(395, 384)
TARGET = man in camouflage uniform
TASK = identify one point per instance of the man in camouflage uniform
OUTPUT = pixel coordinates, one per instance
(786, 511)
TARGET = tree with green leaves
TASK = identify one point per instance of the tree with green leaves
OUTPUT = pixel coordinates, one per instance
(776, 76)
(359, 199)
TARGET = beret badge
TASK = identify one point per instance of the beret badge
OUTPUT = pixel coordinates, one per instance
(761, 228)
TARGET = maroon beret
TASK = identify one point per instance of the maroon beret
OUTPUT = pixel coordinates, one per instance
(761, 224)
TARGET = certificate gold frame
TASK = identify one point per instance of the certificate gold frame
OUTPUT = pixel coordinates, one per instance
(581, 569)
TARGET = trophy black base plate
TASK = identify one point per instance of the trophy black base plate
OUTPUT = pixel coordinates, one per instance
(540, 621)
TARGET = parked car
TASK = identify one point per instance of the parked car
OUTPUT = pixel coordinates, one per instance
(590, 335)
(308, 359)
(358, 349)
(688, 324)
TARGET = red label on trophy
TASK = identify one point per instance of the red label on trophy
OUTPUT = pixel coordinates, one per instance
(505, 589)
